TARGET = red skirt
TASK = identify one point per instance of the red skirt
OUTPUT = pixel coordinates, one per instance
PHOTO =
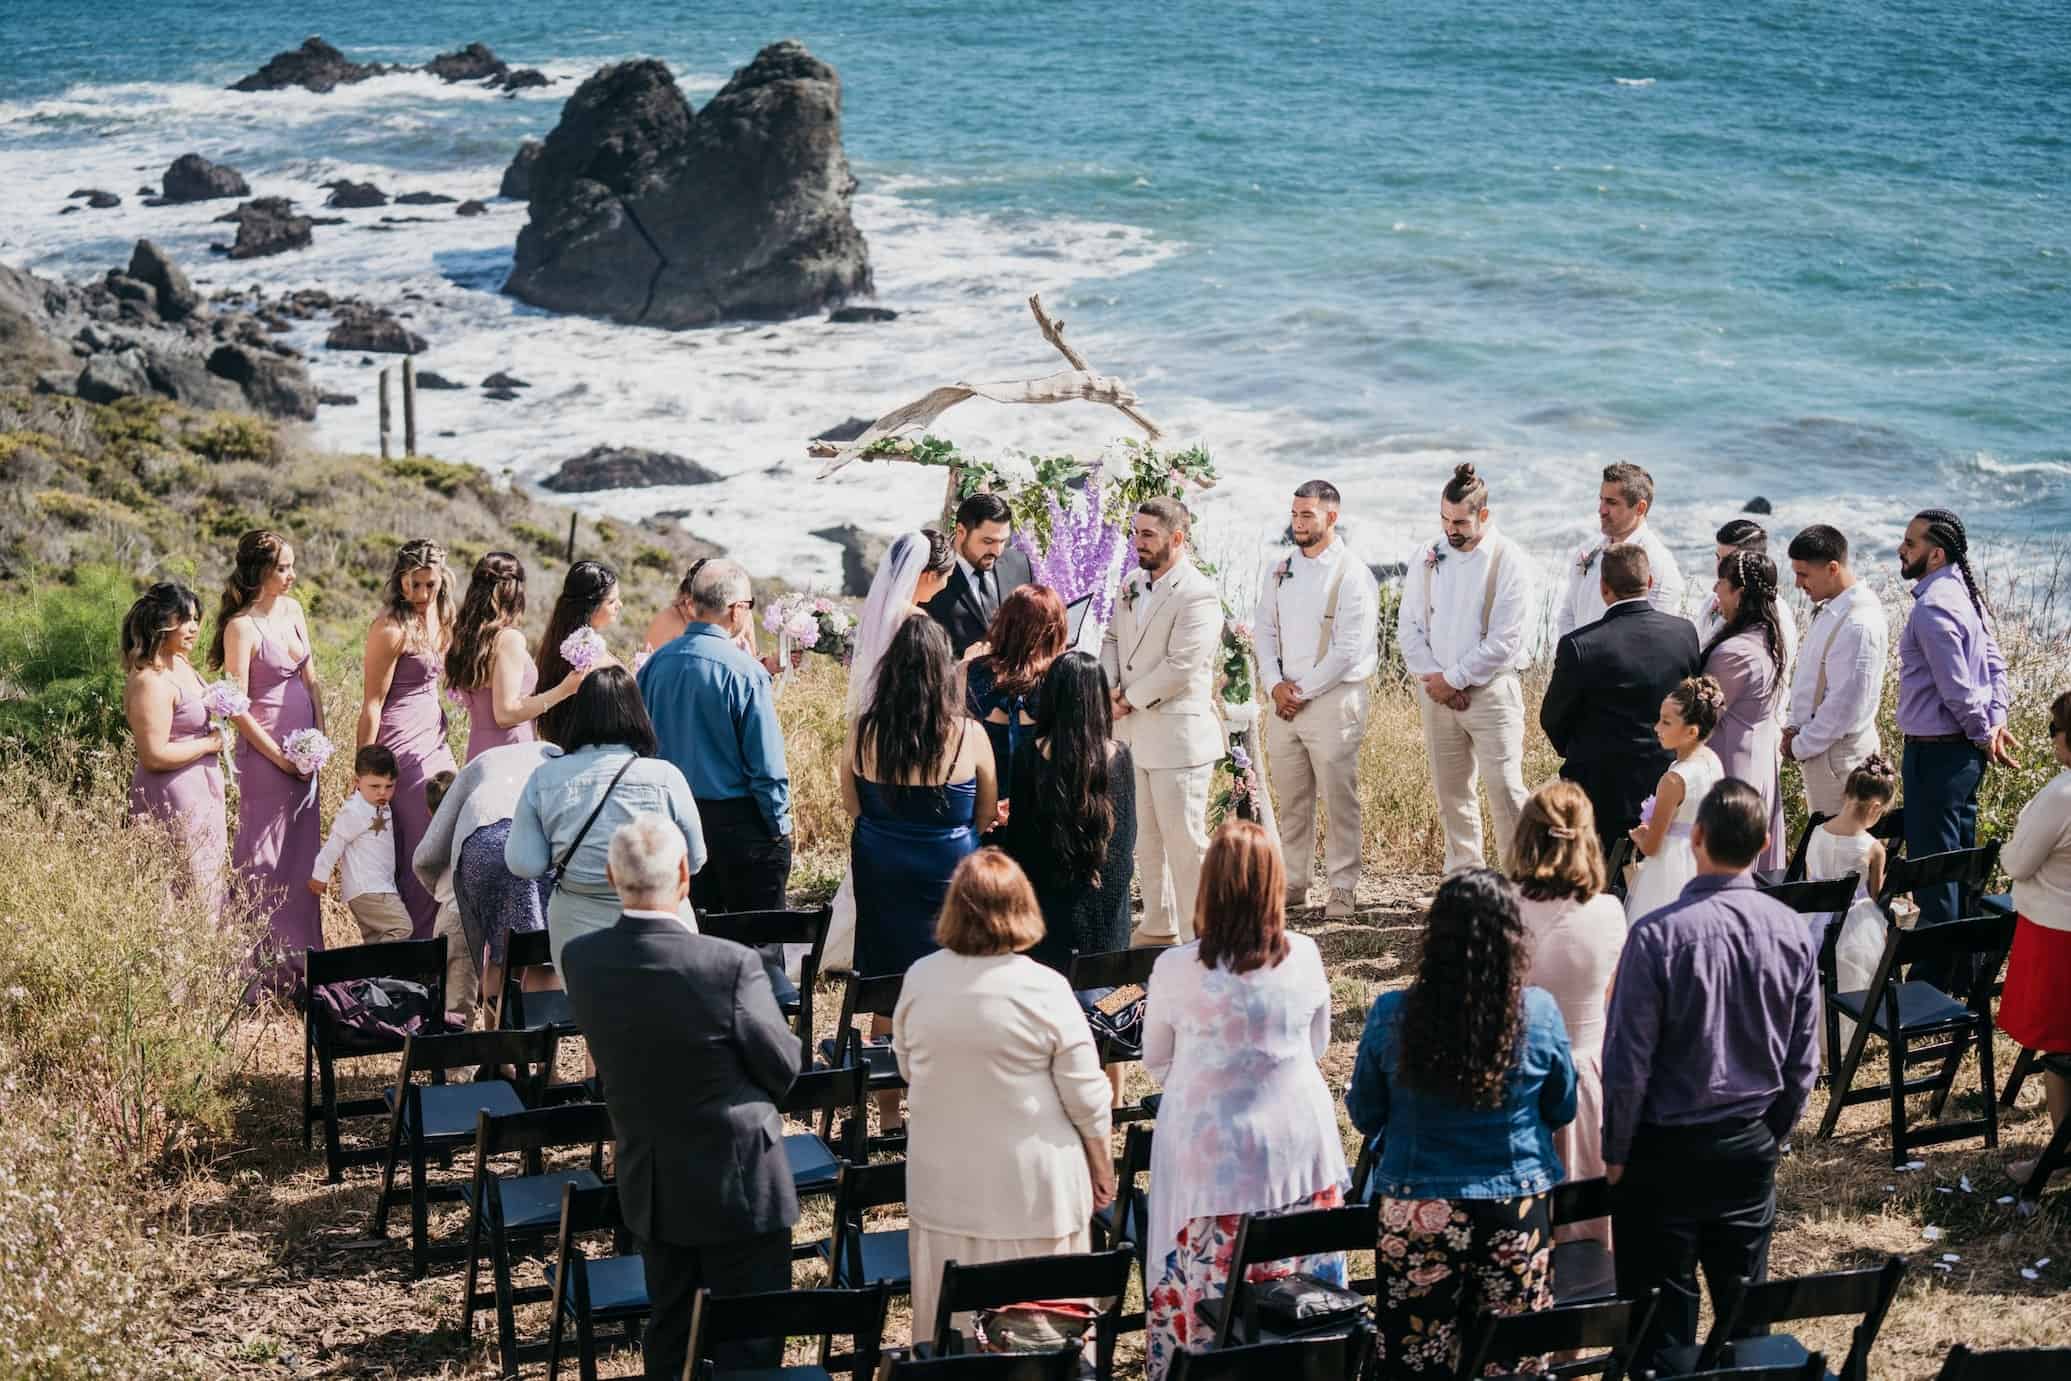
(2036, 1007)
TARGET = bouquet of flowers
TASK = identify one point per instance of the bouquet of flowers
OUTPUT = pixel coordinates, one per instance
(584, 648)
(225, 702)
(812, 623)
(1238, 791)
(309, 750)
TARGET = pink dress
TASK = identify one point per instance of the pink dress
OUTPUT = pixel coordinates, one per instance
(482, 730)
(189, 800)
(413, 727)
(1575, 949)
(277, 835)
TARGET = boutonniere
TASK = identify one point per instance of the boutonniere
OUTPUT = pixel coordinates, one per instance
(1588, 561)
(1131, 588)
(1283, 572)
(1435, 557)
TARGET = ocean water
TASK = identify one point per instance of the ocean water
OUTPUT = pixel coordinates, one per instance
(1820, 254)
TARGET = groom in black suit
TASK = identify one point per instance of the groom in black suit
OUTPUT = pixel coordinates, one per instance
(1609, 679)
(987, 571)
(694, 1056)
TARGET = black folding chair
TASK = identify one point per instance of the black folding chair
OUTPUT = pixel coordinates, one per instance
(1341, 1358)
(1104, 970)
(2005, 1364)
(858, 1315)
(1969, 871)
(518, 1211)
(1099, 1276)
(815, 1164)
(1794, 870)
(1623, 853)
(1813, 1368)
(1583, 1269)
(1062, 1365)
(415, 961)
(1829, 902)
(1124, 1219)
(2057, 1155)
(769, 931)
(1263, 1238)
(438, 1118)
(1620, 1328)
(529, 949)
(1368, 1161)
(1740, 1335)
(606, 1290)
(856, 1257)
(1907, 1013)
(865, 996)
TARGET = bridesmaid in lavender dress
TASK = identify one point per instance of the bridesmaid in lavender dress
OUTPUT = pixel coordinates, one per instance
(262, 643)
(399, 702)
(589, 598)
(488, 667)
(178, 782)
(1747, 657)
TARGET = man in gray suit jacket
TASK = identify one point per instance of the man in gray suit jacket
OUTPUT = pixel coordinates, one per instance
(694, 1056)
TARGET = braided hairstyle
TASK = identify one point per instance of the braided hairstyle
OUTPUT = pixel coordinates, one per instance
(258, 552)
(1873, 780)
(1754, 575)
(1945, 530)
(1701, 701)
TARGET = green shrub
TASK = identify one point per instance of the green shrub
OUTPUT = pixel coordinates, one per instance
(439, 476)
(230, 437)
(59, 650)
(654, 559)
(543, 539)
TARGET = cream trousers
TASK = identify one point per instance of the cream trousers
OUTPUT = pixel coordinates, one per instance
(1827, 773)
(1317, 753)
(1171, 839)
(1483, 741)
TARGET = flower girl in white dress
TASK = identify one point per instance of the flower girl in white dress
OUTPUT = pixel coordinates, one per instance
(1688, 716)
(1841, 846)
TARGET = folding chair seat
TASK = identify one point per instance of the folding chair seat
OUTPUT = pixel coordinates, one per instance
(2057, 1155)
(1618, 1331)
(415, 961)
(439, 1118)
(1813, 1368)
(513, 1212)
(1739, 1336)
(860, 1257)
(529, 949)
(1062, 1365)
(770, 931)
(1098, 1276)
(2005, 1364)
(1583, 1269)
(610, 1291)
(781, 1315)
(1265, 1238)
(1919, 1023)
(1341, 1358)
(815, 1161)
(1094, 975)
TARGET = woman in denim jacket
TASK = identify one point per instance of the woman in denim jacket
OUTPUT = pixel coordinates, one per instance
(1466, 1073)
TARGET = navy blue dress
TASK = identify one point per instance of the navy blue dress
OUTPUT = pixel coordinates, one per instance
(982, 696)
(904, 846)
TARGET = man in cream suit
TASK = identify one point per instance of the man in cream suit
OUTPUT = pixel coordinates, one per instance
(1159, 654)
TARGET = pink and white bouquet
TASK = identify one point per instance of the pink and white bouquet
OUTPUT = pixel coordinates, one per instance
(225, 702)
(584, 649)
(812, 623)
(309, 750)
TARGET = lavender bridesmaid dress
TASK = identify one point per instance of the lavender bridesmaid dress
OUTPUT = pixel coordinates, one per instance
(190, 799)
(1749, 739)
(277, 836)
(413, 727)
(482, 730)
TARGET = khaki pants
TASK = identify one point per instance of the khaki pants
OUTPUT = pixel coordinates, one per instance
(463, 979)
(1826, 774)
(1317, 753)
(1171, 839)
(1483, 741)
(380, 916)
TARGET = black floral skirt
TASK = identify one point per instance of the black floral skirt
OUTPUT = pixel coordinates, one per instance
(1442, 1262)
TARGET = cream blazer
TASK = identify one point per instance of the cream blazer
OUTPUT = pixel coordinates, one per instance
(1005, 1087)
(1161, 654)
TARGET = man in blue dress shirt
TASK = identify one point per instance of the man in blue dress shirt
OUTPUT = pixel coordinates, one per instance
(715, 714)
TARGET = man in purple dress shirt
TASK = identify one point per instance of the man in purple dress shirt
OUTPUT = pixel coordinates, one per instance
(1710, 1051)
(1951, 699)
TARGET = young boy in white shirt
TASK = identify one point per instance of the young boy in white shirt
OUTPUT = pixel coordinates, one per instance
(363, 842)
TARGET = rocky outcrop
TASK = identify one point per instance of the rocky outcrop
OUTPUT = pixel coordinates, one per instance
(173, 295)
(624, 467)
(315, 66)
(471, 207)
(861, 554)
(266, 226)
(1758, 504)
(194, 178)
(517, 179)
(474, 63)
(502, 380)
(845, 431)
(643, 211)
(372, 330)
(425, 199)
(428, 379)
(523, 79)
(347, 195)
(851, 316)
(273, 384)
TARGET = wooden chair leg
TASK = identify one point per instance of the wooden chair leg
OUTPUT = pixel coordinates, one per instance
(334, 1145)
(379, 1228)
(2054, 1157)
(420, 1204)
(1895, 1055)
(506, 1309)
(2023, 1064)
(469, 1293)
(1844, 1080)
(308, 1084)
(1945, 1081)
(1985, 1081)
(585, 1336)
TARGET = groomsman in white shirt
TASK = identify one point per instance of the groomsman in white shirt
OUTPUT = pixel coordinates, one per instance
(1838, 684)
(1466, 603)
(1315, 636)
(1622, 505)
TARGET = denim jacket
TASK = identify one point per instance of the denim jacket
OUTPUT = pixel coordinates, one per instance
(1435, 1148)
(566, 787)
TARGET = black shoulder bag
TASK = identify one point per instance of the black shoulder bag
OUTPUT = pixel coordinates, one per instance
(561, 868)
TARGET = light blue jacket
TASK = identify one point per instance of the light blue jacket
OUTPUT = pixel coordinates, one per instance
(565, 788)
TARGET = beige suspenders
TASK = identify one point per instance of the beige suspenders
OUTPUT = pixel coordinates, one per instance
(1330, 611)
(1488, 592)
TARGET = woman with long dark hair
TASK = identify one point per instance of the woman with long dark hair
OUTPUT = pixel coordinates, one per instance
(1073, 829)
(262, 643)
(1235, 1024)
(1467, 1072)
(399, 702)
(589, 598)
(1747, 657)
(1000, 688)
(178, 783)
(489, 667)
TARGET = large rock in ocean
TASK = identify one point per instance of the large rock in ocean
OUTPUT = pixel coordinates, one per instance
(474, 63)
(643, 211)
(372, 330)
(624, 467)
(517, 179)
(194, 178)
(267, 226)
(315, 66)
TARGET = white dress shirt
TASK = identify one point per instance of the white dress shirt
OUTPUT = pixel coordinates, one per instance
(1439, 623)
(1583, 604)
(1848, 637)
(367, 854)
(1290, 622)
(686, 922)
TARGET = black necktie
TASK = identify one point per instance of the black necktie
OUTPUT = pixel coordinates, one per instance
(986, 601)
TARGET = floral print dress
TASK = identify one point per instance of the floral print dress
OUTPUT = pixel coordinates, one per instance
(1441, 1261)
